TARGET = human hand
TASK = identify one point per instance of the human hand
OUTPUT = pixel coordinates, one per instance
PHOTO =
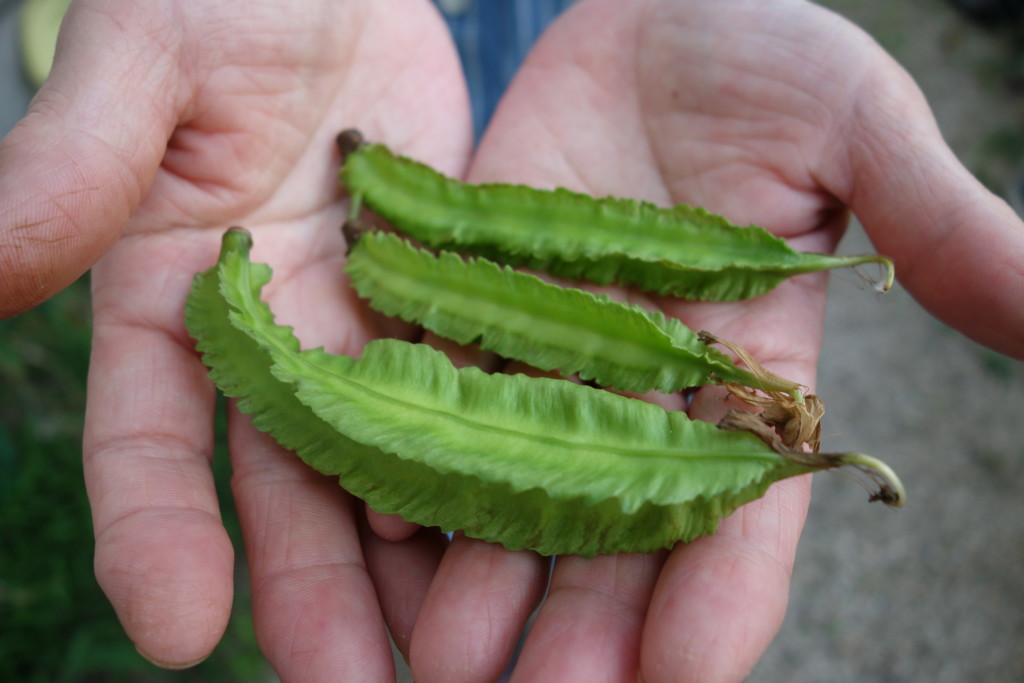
(779, 114)
(172, 122)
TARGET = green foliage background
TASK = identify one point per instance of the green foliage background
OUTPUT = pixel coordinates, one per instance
(55, 623)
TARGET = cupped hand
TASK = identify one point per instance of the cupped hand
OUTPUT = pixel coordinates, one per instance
(779, 114)
(161, 125)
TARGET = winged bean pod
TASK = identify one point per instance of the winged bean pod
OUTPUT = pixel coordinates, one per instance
(519, 316)
(683, 251)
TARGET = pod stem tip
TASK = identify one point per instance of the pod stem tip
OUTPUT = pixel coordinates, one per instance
(348, 141)
(236, 239)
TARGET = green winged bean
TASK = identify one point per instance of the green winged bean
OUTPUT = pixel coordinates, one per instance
(519, 316)
(527, 462)
(682, 251)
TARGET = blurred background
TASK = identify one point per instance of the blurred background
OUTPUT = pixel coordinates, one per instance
(933, 592)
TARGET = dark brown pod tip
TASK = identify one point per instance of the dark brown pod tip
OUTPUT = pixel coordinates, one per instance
(348, 141)
(352, 229)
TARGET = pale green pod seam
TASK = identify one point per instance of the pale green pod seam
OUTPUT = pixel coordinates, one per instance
(682, 251)
(447, 425)
(519, 316)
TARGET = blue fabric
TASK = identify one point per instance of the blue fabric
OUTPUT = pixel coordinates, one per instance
(493, 37)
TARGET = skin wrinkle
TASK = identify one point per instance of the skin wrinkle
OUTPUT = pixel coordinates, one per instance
(113, 18)
(616, 576)
(307, 141)
(188, 144)
(111, 528)
(469, 652)
(31, 238)
(800, 149)
(118, 322)
(284, 584)
(150, 625)
(323, 257)
(120, 436)
(928, 252)
(163, 54)
(299, 553)
(570, 172)
(742, 161)
(611, 84)
(236, 193)
(17, 229)
(366, 45)
(143, 505)
(268, 474)
(875, 122)
(641, 111)
(605, 602)
(82, 179)
(304, 643)
(293, 577)
(710, 650)
(760, 101)
(775, 552)
(578, 618)
(866, 165)
(287, 525)
(772, 349)
(44, 108)
(150, 445)
(133, 188)
(570, 175)
(243, 150)
(477, 649)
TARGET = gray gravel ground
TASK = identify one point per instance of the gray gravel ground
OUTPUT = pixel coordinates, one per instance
(933, 592)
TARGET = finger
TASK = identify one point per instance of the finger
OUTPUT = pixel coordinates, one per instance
(590, 626)
(162, 556)
(477, 605)
(720, 600)
(81, 160)
(390, 527)
(958, 248)
(402, 572)
(314, 606)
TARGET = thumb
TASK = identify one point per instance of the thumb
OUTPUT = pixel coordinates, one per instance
(75, 167)
(958, 248)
